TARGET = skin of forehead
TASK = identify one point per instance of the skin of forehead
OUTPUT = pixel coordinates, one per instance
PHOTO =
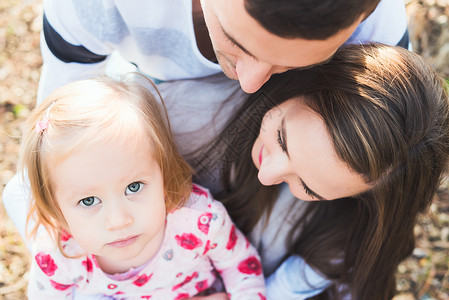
(327, 160)
(266, 47)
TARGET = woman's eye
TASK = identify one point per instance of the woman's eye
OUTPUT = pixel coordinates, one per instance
(309, 192)
(89, 201)
(133, 188)
(306, 189)
(281, 141)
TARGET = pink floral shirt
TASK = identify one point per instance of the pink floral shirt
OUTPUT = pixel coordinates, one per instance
(200, 241)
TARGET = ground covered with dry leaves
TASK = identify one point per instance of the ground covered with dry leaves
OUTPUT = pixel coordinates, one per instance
(424, 276)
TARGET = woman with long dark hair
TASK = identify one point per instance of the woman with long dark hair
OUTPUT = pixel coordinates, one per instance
(370, 131)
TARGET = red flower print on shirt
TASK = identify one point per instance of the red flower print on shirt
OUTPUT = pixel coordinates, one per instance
(142, 279)
(65, 236)
(201, 285)
(46, 263)
(112, 286)
(87, 264)
(232, 239)
(251, 265)
(188, 241)
(95, 261)
(262, 297)
(199, 191)
(204, 222)
(59, 286)
(182, 296)
(208, 247)
(145, 297)
(185, 281)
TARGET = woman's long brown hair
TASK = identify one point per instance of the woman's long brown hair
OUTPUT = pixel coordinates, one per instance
(387, 113)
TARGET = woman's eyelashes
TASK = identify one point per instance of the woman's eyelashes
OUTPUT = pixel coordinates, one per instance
(282, 137)
(89, 201)
(309, 192)
(280, 140)
(306, 189)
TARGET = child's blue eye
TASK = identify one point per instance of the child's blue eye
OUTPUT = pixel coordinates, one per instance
(89, 201)
(133, 188)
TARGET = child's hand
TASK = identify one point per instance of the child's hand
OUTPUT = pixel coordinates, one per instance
(217, 296)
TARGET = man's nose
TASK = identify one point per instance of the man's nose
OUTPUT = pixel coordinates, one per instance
(253, 74)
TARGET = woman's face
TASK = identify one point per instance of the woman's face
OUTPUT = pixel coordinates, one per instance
(294, 146)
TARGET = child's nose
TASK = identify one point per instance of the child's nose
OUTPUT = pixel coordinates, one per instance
(118, 216)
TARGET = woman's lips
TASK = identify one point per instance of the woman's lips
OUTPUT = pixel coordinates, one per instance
(124, 242)
(260, 155)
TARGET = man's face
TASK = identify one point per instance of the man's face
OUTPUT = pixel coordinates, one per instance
(249, 53)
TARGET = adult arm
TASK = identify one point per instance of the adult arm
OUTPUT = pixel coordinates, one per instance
(295, 280)
(69, 51)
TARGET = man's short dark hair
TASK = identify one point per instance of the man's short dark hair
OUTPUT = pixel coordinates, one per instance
(308, 19)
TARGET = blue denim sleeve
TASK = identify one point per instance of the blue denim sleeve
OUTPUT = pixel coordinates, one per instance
(294, 279)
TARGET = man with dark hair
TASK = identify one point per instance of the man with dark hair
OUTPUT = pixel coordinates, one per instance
(252, 39)
(299, 19)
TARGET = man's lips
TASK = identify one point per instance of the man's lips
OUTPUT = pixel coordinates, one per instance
(123, 242)
(260, 155)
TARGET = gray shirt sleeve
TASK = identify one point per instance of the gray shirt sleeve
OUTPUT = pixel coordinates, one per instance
(295, 280)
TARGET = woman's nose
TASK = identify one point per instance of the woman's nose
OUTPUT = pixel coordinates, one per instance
(272, 170)
(118, 215)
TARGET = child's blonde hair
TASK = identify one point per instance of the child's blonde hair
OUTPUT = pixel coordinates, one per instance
(87, 112)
